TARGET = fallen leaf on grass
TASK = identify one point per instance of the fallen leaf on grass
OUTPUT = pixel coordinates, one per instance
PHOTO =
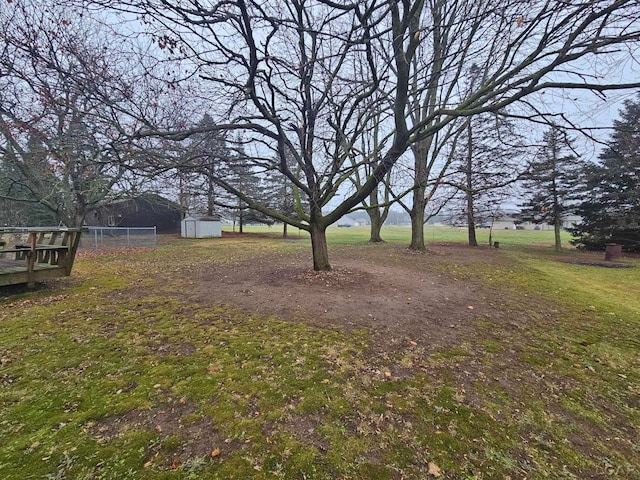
(434, 470)
(215, 453)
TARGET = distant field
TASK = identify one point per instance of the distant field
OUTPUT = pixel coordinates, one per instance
(402, 234)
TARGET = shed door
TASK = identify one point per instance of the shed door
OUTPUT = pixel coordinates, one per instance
(190, 228)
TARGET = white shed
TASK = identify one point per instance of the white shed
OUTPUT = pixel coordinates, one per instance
(200, 227)
(347, 221)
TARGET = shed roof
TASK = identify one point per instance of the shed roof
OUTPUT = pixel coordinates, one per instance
(204, 218)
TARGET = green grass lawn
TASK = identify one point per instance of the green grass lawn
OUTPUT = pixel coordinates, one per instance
(402, 234)
(112, 375)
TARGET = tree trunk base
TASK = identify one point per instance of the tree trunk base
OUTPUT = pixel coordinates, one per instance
(319, 249)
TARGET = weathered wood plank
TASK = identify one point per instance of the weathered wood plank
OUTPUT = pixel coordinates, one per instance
(47, 253)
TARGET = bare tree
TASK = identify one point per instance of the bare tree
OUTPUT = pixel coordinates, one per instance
(285, 73)
(483, 56)
(373, 143)
(56, 131)
(288, 81)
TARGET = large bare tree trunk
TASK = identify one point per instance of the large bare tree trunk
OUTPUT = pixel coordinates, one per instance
(376, 225)
(319, 248)
(375, 218)
(419, 195)
(78, 219)
(471, 227)
(417, 219)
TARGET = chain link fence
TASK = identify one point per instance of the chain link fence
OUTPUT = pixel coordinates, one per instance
(96, 238)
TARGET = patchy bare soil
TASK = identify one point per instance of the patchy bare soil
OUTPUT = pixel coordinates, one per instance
(178, 418)
(391, 292)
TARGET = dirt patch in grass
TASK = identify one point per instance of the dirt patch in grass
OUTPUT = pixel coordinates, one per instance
(390, 292)
(182, 433)
(413, 305)
(601, 264)
(595, 259)
(302, 427)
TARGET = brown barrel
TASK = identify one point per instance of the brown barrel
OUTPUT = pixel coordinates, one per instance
(612, 252)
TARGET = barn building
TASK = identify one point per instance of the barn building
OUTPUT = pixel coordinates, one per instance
(149, 210)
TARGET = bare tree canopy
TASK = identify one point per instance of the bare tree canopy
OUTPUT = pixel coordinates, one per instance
(61, 145)
(294, 76)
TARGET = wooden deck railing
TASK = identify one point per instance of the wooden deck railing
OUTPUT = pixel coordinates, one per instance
(38, 254)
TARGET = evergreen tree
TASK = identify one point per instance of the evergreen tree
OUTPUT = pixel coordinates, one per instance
(550, 183)
(610, 209)
(244, 177)
(18, 207)
(207, 159)
(283, 195)
(488, 160)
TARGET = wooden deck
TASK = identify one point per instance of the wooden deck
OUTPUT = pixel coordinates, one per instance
(30, 255)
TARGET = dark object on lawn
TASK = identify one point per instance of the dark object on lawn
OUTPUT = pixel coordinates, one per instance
(496, 244)
(612, 252)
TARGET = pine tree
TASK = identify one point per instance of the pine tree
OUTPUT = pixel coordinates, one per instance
(246, 178)
(207, 159)
(18, 206)
(550, 183)
(284, 196)
(610, 209)
(488, 159)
